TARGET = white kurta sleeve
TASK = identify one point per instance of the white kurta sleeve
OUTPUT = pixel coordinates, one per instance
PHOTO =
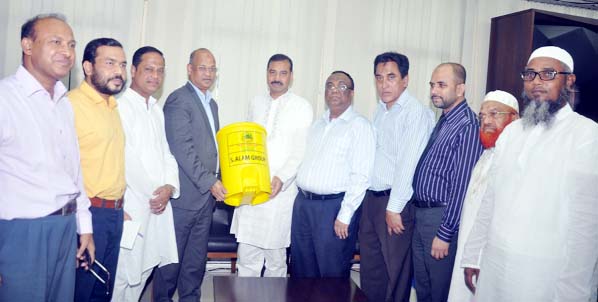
(171, 168)
(577, 280)
(302, 122)
(135, 172)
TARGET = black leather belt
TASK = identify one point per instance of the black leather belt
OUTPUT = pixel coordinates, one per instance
(380, 193)
(427, 204)
(313, 196)
(68, 209)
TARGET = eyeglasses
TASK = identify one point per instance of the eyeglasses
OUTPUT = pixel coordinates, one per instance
(545, 75)
(341, 87)
(106, 280)
(492, 115)
(205, 69)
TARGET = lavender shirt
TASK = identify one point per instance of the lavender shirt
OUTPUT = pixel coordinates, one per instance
(39, 155)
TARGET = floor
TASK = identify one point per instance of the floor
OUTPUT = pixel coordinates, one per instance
(222, 268)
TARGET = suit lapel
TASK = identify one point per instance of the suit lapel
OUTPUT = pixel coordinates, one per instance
(203, 112)
(214, 108)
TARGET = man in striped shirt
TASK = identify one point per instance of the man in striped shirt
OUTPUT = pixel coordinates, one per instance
(332, 180)
(402, 126)
(440, 183)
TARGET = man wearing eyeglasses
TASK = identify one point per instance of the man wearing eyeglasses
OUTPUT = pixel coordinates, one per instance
(332, 181)
(43, 204)
(538, 221)
(402, 126)
(498, 110)
(191, 123)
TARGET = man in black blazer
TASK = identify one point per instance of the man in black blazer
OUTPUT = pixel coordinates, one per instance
(191, 122)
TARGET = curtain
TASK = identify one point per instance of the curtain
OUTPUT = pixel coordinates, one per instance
(320, 37)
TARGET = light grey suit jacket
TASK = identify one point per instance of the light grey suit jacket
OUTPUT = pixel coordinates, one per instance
(191, 142)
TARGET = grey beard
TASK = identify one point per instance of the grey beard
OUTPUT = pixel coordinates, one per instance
(537, 112)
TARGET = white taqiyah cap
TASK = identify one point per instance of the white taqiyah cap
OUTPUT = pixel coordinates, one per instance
(554, 52)
(502, 97)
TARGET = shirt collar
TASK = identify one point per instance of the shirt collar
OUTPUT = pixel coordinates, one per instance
(456, 112)
(32, 86)
(138, 98)
(345, 116)
(204, 98)
(280, 98)
(401, 102)
(95, 96)
(563, 112)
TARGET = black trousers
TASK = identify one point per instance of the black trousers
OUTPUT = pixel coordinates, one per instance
(192, 229)
(316, 251)
(386, 267)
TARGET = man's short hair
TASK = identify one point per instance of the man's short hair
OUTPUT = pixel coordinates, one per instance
(90, 52)
(28, 28)
(192, 55)
(458, 71)
(143, 50)
(401, 60)
(348, 76)
(280, 57)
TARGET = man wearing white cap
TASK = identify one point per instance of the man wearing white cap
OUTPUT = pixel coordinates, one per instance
(538, 220)
(498, 110)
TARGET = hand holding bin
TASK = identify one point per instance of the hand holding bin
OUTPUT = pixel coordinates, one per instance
(244, 163)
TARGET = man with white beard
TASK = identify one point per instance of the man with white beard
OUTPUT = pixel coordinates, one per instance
(538, 221)
(498, 110)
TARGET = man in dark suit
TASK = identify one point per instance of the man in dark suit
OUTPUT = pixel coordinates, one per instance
(191, 122)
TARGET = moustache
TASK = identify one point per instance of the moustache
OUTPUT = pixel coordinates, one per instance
(117, 78)
(276, 82)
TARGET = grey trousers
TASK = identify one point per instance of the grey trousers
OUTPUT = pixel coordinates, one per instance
(432, 277)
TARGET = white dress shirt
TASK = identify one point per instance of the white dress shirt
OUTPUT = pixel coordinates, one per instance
(148, 165)
(287, 120)
(538, 221)
(402, 133)
(339, 158)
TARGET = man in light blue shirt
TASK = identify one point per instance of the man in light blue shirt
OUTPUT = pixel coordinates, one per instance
(402, 126)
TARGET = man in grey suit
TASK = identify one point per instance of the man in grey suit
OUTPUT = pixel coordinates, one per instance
(191, 122)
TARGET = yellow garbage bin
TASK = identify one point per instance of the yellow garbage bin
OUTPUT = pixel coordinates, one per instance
(244, 163)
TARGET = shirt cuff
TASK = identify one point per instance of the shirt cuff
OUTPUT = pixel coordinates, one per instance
(445, 234)
(344, 215)
(84, 225)
(396, 206)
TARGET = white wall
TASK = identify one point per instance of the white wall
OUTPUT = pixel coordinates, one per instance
(320, 36)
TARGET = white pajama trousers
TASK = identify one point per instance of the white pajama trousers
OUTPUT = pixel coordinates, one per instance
(251, 260)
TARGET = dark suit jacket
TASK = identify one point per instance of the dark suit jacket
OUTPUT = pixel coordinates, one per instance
(191, 142)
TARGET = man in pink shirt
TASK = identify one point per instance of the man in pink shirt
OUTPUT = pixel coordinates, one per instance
(43, 204)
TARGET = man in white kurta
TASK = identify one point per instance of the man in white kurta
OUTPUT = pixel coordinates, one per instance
(499, 109)
(152, 179)
(263, 231)
(538, 221)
